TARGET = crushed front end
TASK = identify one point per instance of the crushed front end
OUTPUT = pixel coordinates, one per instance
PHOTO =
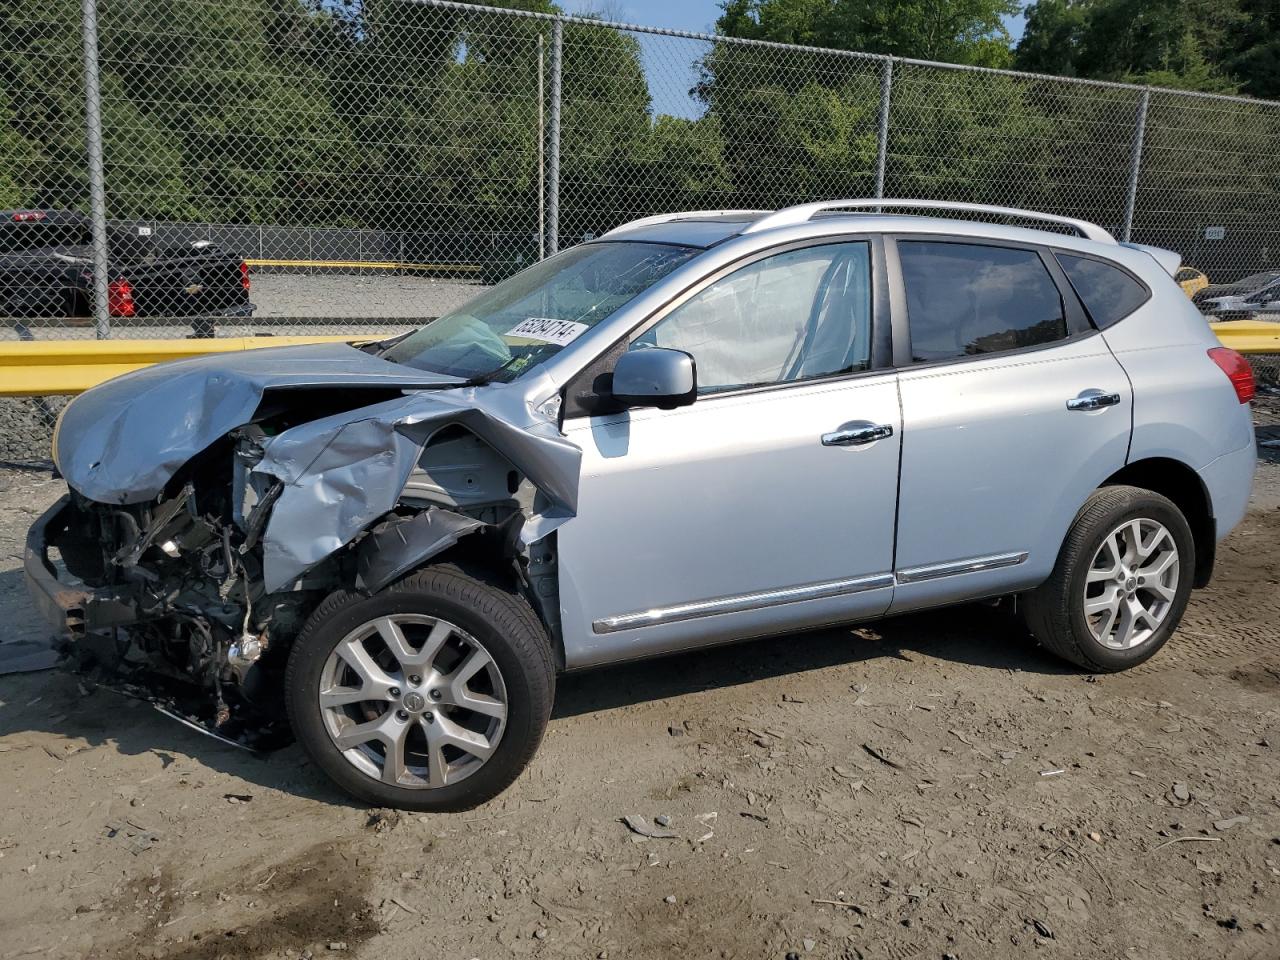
(165, 600)
(214, 503)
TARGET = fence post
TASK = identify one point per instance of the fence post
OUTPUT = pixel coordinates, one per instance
(553, 139)
(1135, 163)
(882, 151)
(542, 154)
(93, 147)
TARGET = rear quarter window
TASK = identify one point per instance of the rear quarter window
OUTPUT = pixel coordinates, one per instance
(1107, 292)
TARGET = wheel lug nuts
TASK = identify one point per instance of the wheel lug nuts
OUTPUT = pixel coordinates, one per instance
(415, 680)
(436, 694)
(429, 717)
(394, 691)
(402, 715)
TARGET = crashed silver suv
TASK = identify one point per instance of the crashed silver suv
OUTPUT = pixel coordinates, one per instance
(698, 428)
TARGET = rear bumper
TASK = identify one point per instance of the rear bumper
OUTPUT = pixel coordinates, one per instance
(71, 608)
(1229, 480)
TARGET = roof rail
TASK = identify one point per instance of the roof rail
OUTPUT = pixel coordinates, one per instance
(807, 211)
(685, 215)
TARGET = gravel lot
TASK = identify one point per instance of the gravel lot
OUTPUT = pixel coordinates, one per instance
(884, 792)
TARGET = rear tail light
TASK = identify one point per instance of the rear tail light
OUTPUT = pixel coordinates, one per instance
(29, 216)
(1237, 370)
(120, 299)
(244, 275)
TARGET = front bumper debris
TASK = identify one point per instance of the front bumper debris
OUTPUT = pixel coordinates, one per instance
(70, 607)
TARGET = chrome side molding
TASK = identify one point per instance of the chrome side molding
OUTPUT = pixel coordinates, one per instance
(971, 565)
(741, 603)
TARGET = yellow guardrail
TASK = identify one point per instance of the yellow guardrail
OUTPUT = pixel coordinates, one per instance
(1248, 336)
(42, 368)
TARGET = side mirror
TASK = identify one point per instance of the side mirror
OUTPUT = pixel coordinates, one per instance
(655, 377)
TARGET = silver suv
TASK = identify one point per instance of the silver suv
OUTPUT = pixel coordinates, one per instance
(698, 428)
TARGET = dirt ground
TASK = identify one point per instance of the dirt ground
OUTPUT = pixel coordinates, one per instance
(925, 787)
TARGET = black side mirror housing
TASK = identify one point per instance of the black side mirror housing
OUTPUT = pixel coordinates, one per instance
(655, 377)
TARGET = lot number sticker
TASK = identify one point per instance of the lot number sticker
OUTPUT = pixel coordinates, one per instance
(558, 332)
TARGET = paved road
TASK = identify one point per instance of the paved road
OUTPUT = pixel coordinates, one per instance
(320, 304)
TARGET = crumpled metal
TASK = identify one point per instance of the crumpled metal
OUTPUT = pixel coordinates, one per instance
(344, 472)
(121, 442)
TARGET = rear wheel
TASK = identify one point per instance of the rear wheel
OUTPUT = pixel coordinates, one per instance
(432, 695)
(1121, 582)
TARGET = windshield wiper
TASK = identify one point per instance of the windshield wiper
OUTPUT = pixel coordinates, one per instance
(480, 379)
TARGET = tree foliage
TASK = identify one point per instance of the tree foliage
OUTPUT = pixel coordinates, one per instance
(1217, 46)
(422, 121)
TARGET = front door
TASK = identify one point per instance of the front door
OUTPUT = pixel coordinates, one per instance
(766, 505)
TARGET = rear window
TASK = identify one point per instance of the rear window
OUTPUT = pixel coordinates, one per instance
(1108, 293)
(968, 299)
(42, 235)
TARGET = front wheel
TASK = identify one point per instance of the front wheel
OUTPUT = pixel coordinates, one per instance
(431, 695)
(1121, 583)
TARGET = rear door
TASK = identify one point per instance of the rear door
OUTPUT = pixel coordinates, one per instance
(1014, 411)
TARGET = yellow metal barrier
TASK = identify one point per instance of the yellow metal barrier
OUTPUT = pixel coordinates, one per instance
(1249, 336)
(42, 368)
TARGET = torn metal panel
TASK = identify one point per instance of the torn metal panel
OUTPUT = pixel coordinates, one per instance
(124, 440)
(343, 472)
(395, 548)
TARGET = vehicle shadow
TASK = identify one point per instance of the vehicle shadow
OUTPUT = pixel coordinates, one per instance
(50, 709)
(53, 710)
(977, 635)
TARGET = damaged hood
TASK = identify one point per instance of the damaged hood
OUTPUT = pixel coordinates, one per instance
(123, 441)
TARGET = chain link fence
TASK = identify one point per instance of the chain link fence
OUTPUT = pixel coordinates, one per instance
(207, 167)
(187, 167)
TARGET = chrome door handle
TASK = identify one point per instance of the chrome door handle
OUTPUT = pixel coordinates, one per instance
(856, 434)
(1093, 400)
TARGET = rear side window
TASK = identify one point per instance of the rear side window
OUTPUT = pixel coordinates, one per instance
(968, 299)
(1108, 293)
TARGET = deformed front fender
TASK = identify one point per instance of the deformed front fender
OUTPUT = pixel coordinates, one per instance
(343, 472)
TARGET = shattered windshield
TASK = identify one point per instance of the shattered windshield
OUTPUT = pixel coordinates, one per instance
(528, 318)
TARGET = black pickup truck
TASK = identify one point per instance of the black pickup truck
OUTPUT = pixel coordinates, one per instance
(46, 263)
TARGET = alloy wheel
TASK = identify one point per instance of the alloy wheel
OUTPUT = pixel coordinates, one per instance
(1131, 583)
(413, 701)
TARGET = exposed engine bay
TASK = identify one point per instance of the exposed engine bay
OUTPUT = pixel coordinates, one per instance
(176, 605)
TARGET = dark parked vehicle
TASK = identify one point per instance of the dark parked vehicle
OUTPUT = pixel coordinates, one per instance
(1247, 297)
(46, 263)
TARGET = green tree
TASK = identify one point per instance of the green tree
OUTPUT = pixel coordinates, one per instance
(953, 31)
(42, 150)
(1175, 43)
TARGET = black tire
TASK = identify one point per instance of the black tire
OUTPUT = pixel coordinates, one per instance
(495, 616)
(1054, 611)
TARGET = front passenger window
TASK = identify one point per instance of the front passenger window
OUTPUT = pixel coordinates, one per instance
(792, 316)
(965, 299)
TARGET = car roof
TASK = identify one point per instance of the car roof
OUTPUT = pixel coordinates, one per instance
(704, 232)
(692, 232)
(705, 229)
